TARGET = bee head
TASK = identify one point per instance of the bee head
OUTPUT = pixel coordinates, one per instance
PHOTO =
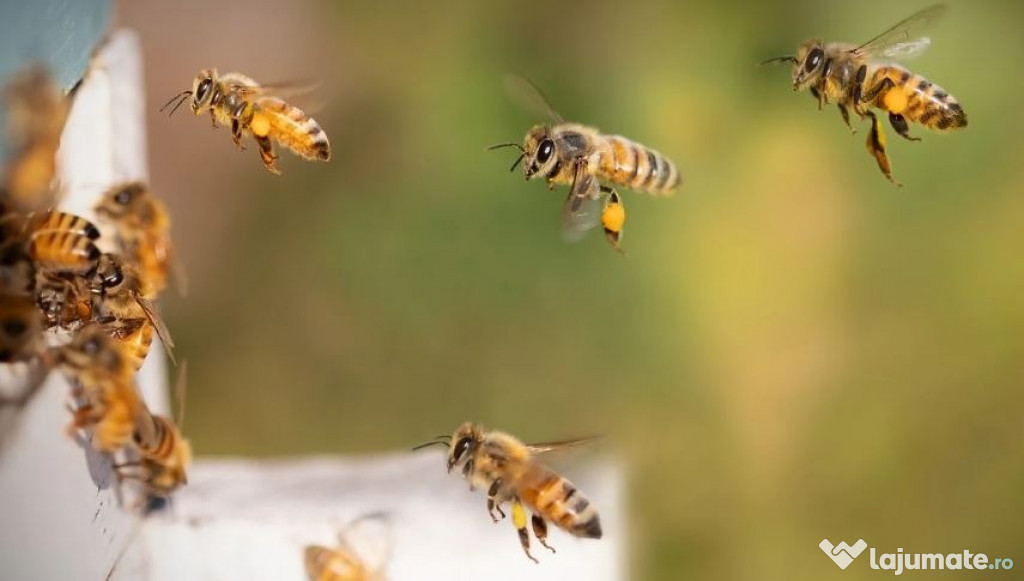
(202, 90)
(91, 347)
(539, 153)
(119, 200)
(464, 442)
(808, 64)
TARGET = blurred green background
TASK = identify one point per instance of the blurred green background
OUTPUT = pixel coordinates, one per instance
(794, 349)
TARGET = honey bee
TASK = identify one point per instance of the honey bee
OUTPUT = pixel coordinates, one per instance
(510, 472)
(36, 112)
(108, 402)
(590, 163)
(122, 303)
(143, 231)
(861, 77)
(64, 251)
(237, 101)
(362, 554)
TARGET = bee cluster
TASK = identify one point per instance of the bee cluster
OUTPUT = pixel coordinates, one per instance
(65, 304)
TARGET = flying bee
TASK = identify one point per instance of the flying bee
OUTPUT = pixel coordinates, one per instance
(362, 553)
(143, 231)
(861, 77)
(590, 163)
(122, 303)
(238, 102)
(108, 402)
(510, 472)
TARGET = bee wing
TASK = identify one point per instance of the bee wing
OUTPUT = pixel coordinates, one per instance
(282, 90)
(907, 50)
(158, 324)
(904, 33)
(545, 447)
(582, 210)
(369, 538)
(523, 90)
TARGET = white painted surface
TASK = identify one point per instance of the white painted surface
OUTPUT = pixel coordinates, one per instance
(240, 519)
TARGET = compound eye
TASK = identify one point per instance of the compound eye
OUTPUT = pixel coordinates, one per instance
(91, 347)
(124, 197)
(202, 89)
(547, 147)
(114, 279)
(461, 447)
(813, 59)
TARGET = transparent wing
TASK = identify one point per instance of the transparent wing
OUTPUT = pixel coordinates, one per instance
(907, 50)
(903, 32)
(369, 538)
(531, 97)
(158, 323)
(582, 210)
(286, 89)
(545, 447)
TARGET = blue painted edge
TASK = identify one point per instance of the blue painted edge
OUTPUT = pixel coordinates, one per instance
(60, 34)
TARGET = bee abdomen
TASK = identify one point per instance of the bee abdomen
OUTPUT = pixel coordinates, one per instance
(138, 344)
(294, 129)
(559, 501)
(635, 166)
(919, 100)
(63, 221)
(63, 250)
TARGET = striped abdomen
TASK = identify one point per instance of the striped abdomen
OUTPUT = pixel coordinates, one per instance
(917, 99)
(292, 128)
(63, 250)
(65, 222)
(136, 344)
(159, 442)
(557, 500)
(634, 166)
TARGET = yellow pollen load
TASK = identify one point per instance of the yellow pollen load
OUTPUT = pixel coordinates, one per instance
(613, 217)
(895, 100)
(518, 515)
(260, 125)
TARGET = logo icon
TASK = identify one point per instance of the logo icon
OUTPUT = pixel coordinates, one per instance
(842, 554)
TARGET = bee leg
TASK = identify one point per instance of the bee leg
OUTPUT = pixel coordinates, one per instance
(613, 217)
(213, 120)
(817, 96)
(236, 134)
(267, 154)
(519, 520)
(883, 86)
(899, 123)
(876, 147)
(540, 530)
(492, 505)
(846, 117)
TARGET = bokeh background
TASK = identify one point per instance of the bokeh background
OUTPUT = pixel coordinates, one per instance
(794, 349)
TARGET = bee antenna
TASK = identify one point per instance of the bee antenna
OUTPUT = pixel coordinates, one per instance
(518, 159)
(501, 145)
(180, 98)
(436, 442)
(779, 59)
